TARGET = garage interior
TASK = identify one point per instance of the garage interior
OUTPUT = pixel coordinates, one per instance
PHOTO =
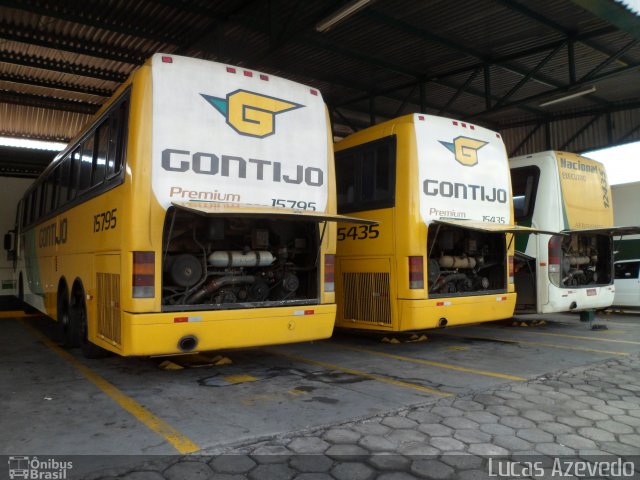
(550, 74)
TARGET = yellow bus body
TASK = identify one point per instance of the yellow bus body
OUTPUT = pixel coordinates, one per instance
(103, 263)
(393, 306)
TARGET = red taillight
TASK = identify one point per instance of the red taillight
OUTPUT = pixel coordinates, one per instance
(167, 59)
(329, 273)
(416, 272)
(144, 269)
(555, 259)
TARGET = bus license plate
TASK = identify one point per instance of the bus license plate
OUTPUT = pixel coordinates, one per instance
(591, 292)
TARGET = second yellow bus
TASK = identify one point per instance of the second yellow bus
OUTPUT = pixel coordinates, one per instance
(442, 253)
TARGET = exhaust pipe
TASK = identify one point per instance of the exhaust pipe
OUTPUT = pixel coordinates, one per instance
(442, 323)
(187, 343)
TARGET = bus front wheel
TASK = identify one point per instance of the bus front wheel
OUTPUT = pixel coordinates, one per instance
(78, 312)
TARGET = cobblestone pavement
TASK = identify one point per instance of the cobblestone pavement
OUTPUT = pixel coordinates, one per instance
(591, 412)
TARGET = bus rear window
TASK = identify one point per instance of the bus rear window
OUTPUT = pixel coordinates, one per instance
(524, 182)
(365, 176)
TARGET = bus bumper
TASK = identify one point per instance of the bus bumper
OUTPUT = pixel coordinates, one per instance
(160, 333)
(578, 299)
(426, 314)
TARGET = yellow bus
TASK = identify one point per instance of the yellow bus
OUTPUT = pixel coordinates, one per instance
(442, 252)
(193, 213)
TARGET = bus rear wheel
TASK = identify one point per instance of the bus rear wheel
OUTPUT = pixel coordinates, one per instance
(69, 336)
(78, 313)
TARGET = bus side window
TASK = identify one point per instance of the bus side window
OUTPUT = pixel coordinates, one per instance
(86, 164)
(119, 119)
(524, 182)
(102, 152)
(25, 210)
(74, 173)
(365, 176)
(63, 181)
(52, 190)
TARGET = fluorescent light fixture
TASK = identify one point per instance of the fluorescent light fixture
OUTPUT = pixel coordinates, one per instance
(589, 90)
(342, 14)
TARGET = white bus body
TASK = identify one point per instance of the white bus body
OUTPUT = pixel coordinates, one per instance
(568, 194)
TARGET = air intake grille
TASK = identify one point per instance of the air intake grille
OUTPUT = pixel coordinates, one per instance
(367, 298)
(108, 296)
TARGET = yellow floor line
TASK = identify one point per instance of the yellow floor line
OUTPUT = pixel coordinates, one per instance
(581, 337)
(538, 344)
(179, 441)
(358, 373)
(433, 364)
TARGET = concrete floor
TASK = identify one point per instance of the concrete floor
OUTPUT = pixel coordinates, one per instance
(50, 406)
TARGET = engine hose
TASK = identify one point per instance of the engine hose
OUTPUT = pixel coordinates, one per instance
(217, 284)
(444, 280)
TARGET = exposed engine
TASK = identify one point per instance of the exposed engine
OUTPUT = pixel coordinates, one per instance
(244, 261)
(585, 259)
(463, 261)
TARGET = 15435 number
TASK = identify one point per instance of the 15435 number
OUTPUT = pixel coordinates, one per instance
(358, 232)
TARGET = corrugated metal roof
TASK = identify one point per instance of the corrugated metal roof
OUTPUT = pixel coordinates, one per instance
(59, 62)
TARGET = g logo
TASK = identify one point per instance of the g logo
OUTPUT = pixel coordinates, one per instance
(465, 149)
(250, 113)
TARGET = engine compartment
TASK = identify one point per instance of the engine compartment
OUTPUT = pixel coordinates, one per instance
(237, 262)
(462, 261)
(584, 259)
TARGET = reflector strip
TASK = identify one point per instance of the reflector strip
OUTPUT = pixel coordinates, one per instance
(443, 304)
(186, 319)
(501, 299)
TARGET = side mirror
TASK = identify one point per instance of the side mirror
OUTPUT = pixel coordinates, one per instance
(8, 241)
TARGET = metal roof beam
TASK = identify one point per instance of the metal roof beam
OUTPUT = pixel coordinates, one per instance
(553, 117)
(460, 91)
(610, 60)
(526, 78)
(527, 12)
(426, 35)
(70, 44)
(60, 66)
(526, 139)
(550, 93)
(580, 131)
(39, 101)
(67, 87)
(614, 13)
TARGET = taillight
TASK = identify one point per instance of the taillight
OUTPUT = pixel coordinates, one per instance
(329, 273)
(555, 258)
(144, 269)
(416, 272)
(511, 272)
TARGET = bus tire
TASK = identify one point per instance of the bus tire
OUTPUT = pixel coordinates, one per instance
(78, 311)
(69, 336)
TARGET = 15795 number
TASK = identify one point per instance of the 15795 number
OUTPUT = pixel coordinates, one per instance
(359, 232)
(105, 220)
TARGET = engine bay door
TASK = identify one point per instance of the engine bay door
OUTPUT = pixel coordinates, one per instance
(494, 227)
(612, 231)
(240, 211)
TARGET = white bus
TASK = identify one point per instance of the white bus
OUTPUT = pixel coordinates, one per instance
(569, 194)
